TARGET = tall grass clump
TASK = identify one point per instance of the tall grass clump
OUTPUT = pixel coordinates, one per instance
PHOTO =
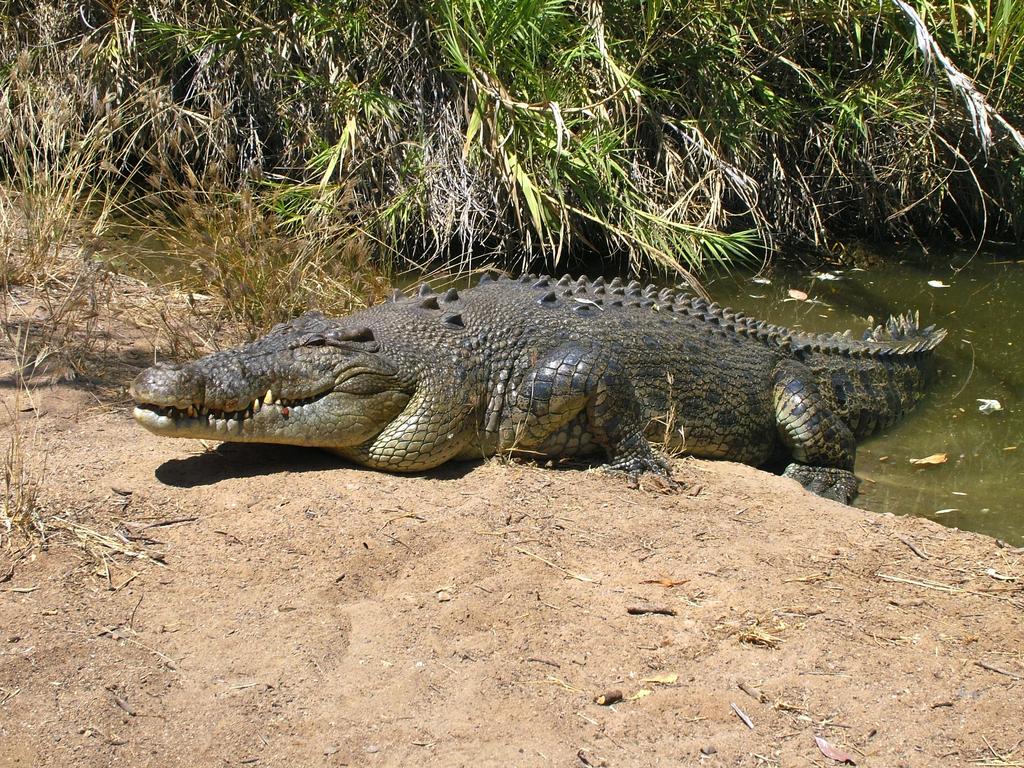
(55, 198)
(288, 142)
(266, 255)
(21, 509)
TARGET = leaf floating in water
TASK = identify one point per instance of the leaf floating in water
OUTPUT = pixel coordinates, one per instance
(935, 458)
(946, 511)
(989, 406)
(796, 294)
(826, 276)
(761, 280)
(833, 753)
(937, 284)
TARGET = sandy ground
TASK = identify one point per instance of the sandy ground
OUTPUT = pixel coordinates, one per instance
(276, 607)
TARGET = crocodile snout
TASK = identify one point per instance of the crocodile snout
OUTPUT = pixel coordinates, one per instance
(169, 384)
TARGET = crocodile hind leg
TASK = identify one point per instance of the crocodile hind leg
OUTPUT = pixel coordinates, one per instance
(575, 397)
(822, 446)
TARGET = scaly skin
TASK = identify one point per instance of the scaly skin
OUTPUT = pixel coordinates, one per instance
(551, 368)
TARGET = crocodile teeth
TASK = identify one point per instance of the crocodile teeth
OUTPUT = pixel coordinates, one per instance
(269, 397)
(256, 405)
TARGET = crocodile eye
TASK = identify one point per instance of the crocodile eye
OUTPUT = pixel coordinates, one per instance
(353, 338)
(351, 334)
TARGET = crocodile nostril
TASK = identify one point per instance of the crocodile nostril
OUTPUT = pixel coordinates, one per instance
(168, 384)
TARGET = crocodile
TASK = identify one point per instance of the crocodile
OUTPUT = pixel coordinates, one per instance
(550, 367)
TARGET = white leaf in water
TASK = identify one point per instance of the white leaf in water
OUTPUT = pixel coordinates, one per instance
(989, 406)
(798, 295)
(761, 280)
(937, 284)
(825, 276)
(935, 458)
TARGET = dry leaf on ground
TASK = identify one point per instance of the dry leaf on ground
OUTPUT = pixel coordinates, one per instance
(833, 753)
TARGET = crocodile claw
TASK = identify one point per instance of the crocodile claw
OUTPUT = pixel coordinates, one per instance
(650, 467)
(828, 482)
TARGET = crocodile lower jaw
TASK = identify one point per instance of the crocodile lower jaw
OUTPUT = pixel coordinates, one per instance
(260, 426)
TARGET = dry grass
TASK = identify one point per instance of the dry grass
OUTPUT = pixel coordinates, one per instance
(260, 265)
(21, 510)
(28, 520)
(21, 507)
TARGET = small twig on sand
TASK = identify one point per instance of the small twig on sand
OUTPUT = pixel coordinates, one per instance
(404, 516)
(640, 610)
(118, 633)
(547, 562)
(608, 698)
(122, 703)
(539, 660)
(131, 621)
(926, 584)
(752, 692)
(913, 548)
(742, 716)
(173, 521)
(999, 670)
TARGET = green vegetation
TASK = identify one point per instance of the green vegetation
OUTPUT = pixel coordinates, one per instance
(286, 145)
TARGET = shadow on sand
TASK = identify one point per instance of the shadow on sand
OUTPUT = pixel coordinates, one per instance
(238, 460)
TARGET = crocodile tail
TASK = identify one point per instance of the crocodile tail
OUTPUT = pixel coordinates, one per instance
(874, 381)
(899, 336)
(903, 335)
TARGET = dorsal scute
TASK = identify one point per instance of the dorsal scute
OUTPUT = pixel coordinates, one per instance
(899, 335)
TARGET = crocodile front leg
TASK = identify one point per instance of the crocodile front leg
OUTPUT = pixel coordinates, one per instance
(822, 446)
(575, 397)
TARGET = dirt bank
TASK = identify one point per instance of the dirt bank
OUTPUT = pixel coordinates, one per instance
(278, 607)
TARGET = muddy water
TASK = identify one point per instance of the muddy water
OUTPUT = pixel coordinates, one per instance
(980, 487)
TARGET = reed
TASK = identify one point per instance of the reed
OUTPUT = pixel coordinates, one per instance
(527, 133)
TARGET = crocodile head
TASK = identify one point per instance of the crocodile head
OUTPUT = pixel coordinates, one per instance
(311, 381)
